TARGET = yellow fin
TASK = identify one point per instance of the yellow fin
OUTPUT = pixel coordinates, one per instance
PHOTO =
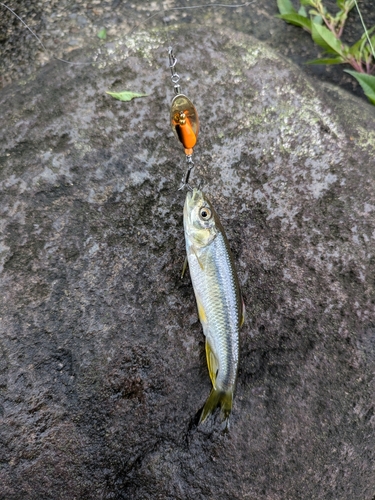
(243, 312)
(212, 363)
(201, 312)
(184, 267)
(216, 398)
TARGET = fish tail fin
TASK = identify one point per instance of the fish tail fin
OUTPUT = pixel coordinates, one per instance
(224, 399)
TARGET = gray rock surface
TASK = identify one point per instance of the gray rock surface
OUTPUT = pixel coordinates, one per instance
(102, 366)
(66, 25)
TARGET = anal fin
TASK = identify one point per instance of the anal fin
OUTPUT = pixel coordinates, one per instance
(213, 365)
(184, 267)
(201, 311)
(243, 313)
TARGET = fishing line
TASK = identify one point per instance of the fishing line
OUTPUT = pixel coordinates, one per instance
(364, 27)
(183, 114)
(26, 26)
(138, 25)
(39, 40)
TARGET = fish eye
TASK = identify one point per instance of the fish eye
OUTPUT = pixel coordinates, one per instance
(205, 213)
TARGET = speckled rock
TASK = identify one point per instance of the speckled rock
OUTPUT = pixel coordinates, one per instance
(102, 365)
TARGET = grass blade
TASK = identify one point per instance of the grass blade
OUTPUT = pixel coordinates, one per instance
(366, 32)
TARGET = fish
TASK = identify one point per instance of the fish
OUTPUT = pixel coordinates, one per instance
(219, 301)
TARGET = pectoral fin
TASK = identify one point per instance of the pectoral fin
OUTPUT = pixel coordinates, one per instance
(213, 366)
(198, 259)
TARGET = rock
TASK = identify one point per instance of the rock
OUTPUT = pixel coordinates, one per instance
(102, 364)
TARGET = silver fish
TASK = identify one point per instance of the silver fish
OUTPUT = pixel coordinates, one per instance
(217, 292)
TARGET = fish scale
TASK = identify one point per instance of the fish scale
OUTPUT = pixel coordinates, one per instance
(221, 310)
(218, 298)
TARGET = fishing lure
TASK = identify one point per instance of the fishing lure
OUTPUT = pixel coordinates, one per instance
(184, 118)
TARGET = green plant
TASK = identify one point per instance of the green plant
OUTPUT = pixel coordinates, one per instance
(326, 30)
(125, 95)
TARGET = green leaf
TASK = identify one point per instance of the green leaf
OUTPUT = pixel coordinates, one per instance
(325, 39)
(302, 11)
(364, 36)
(285, 7)
(359, 49)
(367, 82)
(102, 34)
(317, 19)
(334, 60)
(349, 4)
(345, 5)
(297, 20)
(356, 49)
(367, 54)
(125, 95)
(306, 2)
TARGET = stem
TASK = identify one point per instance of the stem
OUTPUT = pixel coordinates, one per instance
(331, 27)
(319, 7)
(328, 24)
(357, 65)
(369, 66)
(343, 24)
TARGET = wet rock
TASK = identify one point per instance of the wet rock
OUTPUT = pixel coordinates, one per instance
(63, 25)
(102, 365)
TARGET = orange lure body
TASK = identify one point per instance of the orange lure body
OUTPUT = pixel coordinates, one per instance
(185, 122)
(185, 131)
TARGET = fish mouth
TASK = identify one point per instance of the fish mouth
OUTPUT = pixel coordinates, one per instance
(193, 197)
